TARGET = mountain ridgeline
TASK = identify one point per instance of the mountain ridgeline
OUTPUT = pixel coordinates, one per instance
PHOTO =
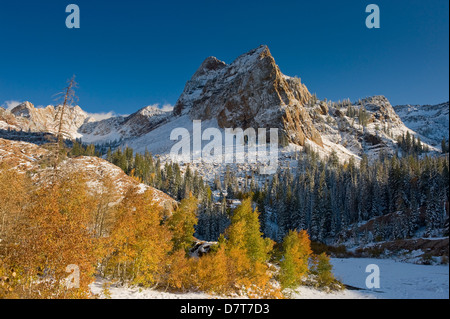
(349, 172)
(251, 92)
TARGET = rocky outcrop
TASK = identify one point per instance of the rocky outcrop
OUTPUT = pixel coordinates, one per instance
(250, 92)
(381, 109)
(46, 119)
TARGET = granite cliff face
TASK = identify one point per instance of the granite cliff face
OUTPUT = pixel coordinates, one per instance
(250, 92)
(45, 119)
(79, 124)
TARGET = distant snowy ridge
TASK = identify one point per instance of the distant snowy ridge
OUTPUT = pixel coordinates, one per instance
(431, 121)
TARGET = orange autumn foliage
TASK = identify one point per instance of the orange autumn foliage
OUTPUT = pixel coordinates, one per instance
(139, 243)
(212, 272)
(51, 233)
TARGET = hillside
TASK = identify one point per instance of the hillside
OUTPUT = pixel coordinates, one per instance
(101, 175)
(431, 121)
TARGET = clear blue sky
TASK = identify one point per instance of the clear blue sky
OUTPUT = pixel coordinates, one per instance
(129, 54)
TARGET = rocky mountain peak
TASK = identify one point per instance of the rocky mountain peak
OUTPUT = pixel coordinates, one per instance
(249, 92)
(23, 109)
(382, 109)
(211, 64)
(150, 110)
(44, 119)
(144, 120)
(254, 57)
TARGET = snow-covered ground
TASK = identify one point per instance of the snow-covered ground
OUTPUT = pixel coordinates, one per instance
(117, 292)
(397, 281)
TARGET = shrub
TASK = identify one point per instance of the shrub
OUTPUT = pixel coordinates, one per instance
(322, 269)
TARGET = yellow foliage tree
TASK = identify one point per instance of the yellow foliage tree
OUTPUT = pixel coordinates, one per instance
(247, 250)
(139, 243)
(322, 269)
(15, 190)
(182, 224)
(212, 272)
(51, 234)
(296, 253)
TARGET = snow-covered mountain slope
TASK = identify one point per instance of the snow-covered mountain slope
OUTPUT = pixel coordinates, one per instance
(158, 143)
(124, 127)
(252, 92)
(431, 121)
(368, 126)
(9, 121)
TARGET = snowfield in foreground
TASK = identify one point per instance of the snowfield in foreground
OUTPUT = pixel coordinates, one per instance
(397, 281)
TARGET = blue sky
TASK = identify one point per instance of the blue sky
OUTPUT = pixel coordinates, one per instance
(129, 54)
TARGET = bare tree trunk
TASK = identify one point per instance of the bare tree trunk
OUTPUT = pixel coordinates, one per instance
(69, 96)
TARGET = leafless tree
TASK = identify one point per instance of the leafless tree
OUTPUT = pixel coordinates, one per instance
(68, 98)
